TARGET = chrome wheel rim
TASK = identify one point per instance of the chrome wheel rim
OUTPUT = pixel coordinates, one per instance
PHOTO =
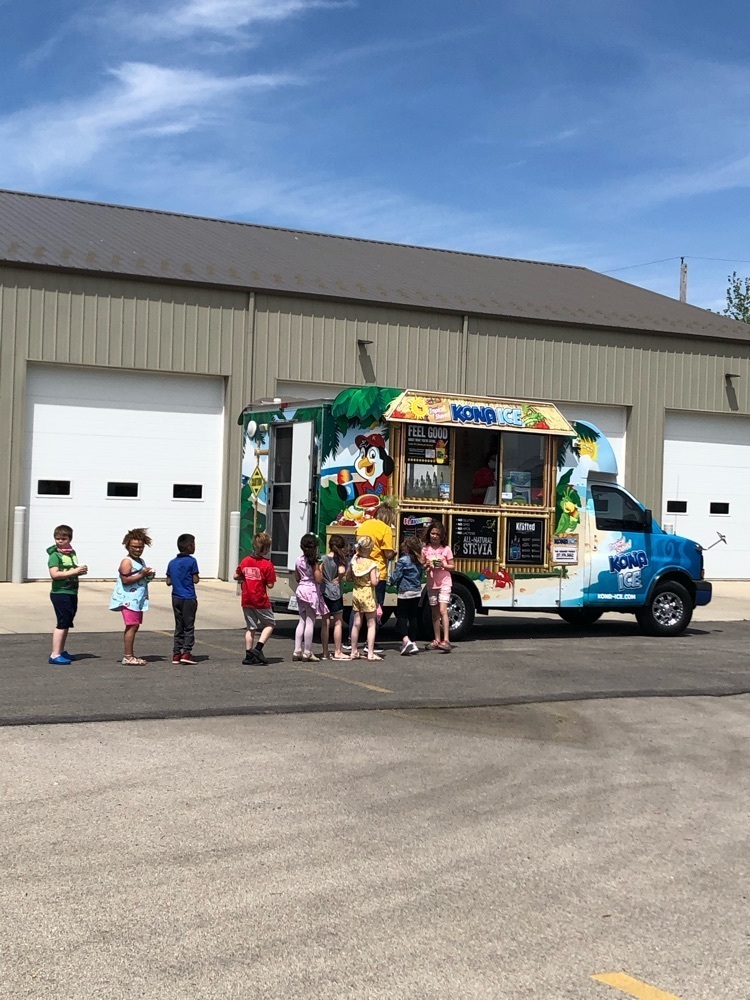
(668, 609)
(456, 613)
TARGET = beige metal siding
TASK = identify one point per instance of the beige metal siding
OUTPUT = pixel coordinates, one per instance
(255, 341)
(112, 323)
(316, 341)
(647, 374)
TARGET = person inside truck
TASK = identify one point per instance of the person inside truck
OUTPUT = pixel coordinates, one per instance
(485, 478)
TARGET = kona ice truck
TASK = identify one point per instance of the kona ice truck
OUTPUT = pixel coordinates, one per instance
(535, 518)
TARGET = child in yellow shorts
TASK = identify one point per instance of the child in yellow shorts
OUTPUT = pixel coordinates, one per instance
(364, 572)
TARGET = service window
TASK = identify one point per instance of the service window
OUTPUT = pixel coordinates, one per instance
(427, 450)
(523, 464)
(476, 459)
(616, 511)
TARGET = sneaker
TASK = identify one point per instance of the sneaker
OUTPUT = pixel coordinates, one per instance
(60, 661)
(413, 649)
(259, 657)
(176, 658)
(188, 659)
(405, 649)
(432, 646)
(67, 655)
(444, 647)
(346, 647)
(249, 660)
(378, 652)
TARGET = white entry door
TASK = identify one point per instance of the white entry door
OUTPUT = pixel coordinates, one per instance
(291, 493)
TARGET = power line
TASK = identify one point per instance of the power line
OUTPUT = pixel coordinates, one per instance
(648, 263)
(664, 260)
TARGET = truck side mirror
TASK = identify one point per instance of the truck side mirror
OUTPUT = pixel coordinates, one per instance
(648, 521)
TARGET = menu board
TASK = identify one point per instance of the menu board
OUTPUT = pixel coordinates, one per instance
(415, 522)
(474, 537)
(427, 443)
(525, 541)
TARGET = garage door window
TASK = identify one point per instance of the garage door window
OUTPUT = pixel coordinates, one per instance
(53, 488)
(187, 491)
(676, 506)
(123, 491)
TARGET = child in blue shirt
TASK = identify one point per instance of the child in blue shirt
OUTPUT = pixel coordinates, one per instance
(182, 576)
(407, 576)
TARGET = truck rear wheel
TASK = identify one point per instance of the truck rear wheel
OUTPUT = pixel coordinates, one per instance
(668, 612)
(461, 612)
(580, 617)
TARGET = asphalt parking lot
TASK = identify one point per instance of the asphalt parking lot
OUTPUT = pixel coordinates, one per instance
(543, 814)
(508, 660)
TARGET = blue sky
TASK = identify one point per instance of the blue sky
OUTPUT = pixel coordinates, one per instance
(605, 133)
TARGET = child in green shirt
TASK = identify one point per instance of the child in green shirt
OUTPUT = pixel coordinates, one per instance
(64, 571)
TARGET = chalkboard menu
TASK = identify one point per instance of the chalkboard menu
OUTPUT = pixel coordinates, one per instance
(415, 522)
(474, 537)
(427, 443)
(525, 541)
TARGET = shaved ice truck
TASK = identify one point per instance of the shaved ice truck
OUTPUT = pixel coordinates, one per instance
(535, 517)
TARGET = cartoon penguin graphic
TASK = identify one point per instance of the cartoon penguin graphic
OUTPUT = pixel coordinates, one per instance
(373, 464)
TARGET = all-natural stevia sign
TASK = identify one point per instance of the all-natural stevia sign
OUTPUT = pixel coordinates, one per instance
(474, 537)
(525, 541)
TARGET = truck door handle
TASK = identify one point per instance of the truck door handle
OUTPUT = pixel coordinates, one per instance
(305, 502)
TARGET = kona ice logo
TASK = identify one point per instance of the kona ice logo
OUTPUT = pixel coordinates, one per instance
(490, 416)
(628, 566)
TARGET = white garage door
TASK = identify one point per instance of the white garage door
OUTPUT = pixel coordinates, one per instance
(706, 486)
(109, 451)
(611, 421)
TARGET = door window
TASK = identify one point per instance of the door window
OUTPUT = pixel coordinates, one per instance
(281, 496)
(616, 511)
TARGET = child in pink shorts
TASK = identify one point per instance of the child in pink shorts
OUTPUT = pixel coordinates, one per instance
(438, 558)
(130, 596)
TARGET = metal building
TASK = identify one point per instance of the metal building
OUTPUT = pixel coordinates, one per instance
(130, 340)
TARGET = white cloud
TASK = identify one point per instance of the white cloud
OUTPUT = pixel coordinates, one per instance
(144, 99)
(222, 17)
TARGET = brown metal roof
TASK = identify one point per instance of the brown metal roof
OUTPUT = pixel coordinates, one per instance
(68, 235)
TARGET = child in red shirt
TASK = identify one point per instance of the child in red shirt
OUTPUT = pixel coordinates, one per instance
(257, 575)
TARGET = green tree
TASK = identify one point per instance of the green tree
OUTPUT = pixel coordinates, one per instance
(738, 298)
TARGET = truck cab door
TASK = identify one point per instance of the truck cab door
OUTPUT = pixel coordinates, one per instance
(291, 490)
(621, 565)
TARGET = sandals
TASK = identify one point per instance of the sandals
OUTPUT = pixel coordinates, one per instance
(374, 657)
(310, 658)
(297, 655)
(134, 661)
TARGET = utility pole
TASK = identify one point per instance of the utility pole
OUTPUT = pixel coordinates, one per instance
(683, 280)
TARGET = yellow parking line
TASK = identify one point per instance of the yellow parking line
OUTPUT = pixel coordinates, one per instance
(626, 984)
(336, 677)
(296, 666)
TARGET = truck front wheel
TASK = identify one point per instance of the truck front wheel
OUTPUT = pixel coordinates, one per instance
(668, 612)
(580, 617)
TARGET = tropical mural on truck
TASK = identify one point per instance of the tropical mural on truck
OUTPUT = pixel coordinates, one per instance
(353, 465)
